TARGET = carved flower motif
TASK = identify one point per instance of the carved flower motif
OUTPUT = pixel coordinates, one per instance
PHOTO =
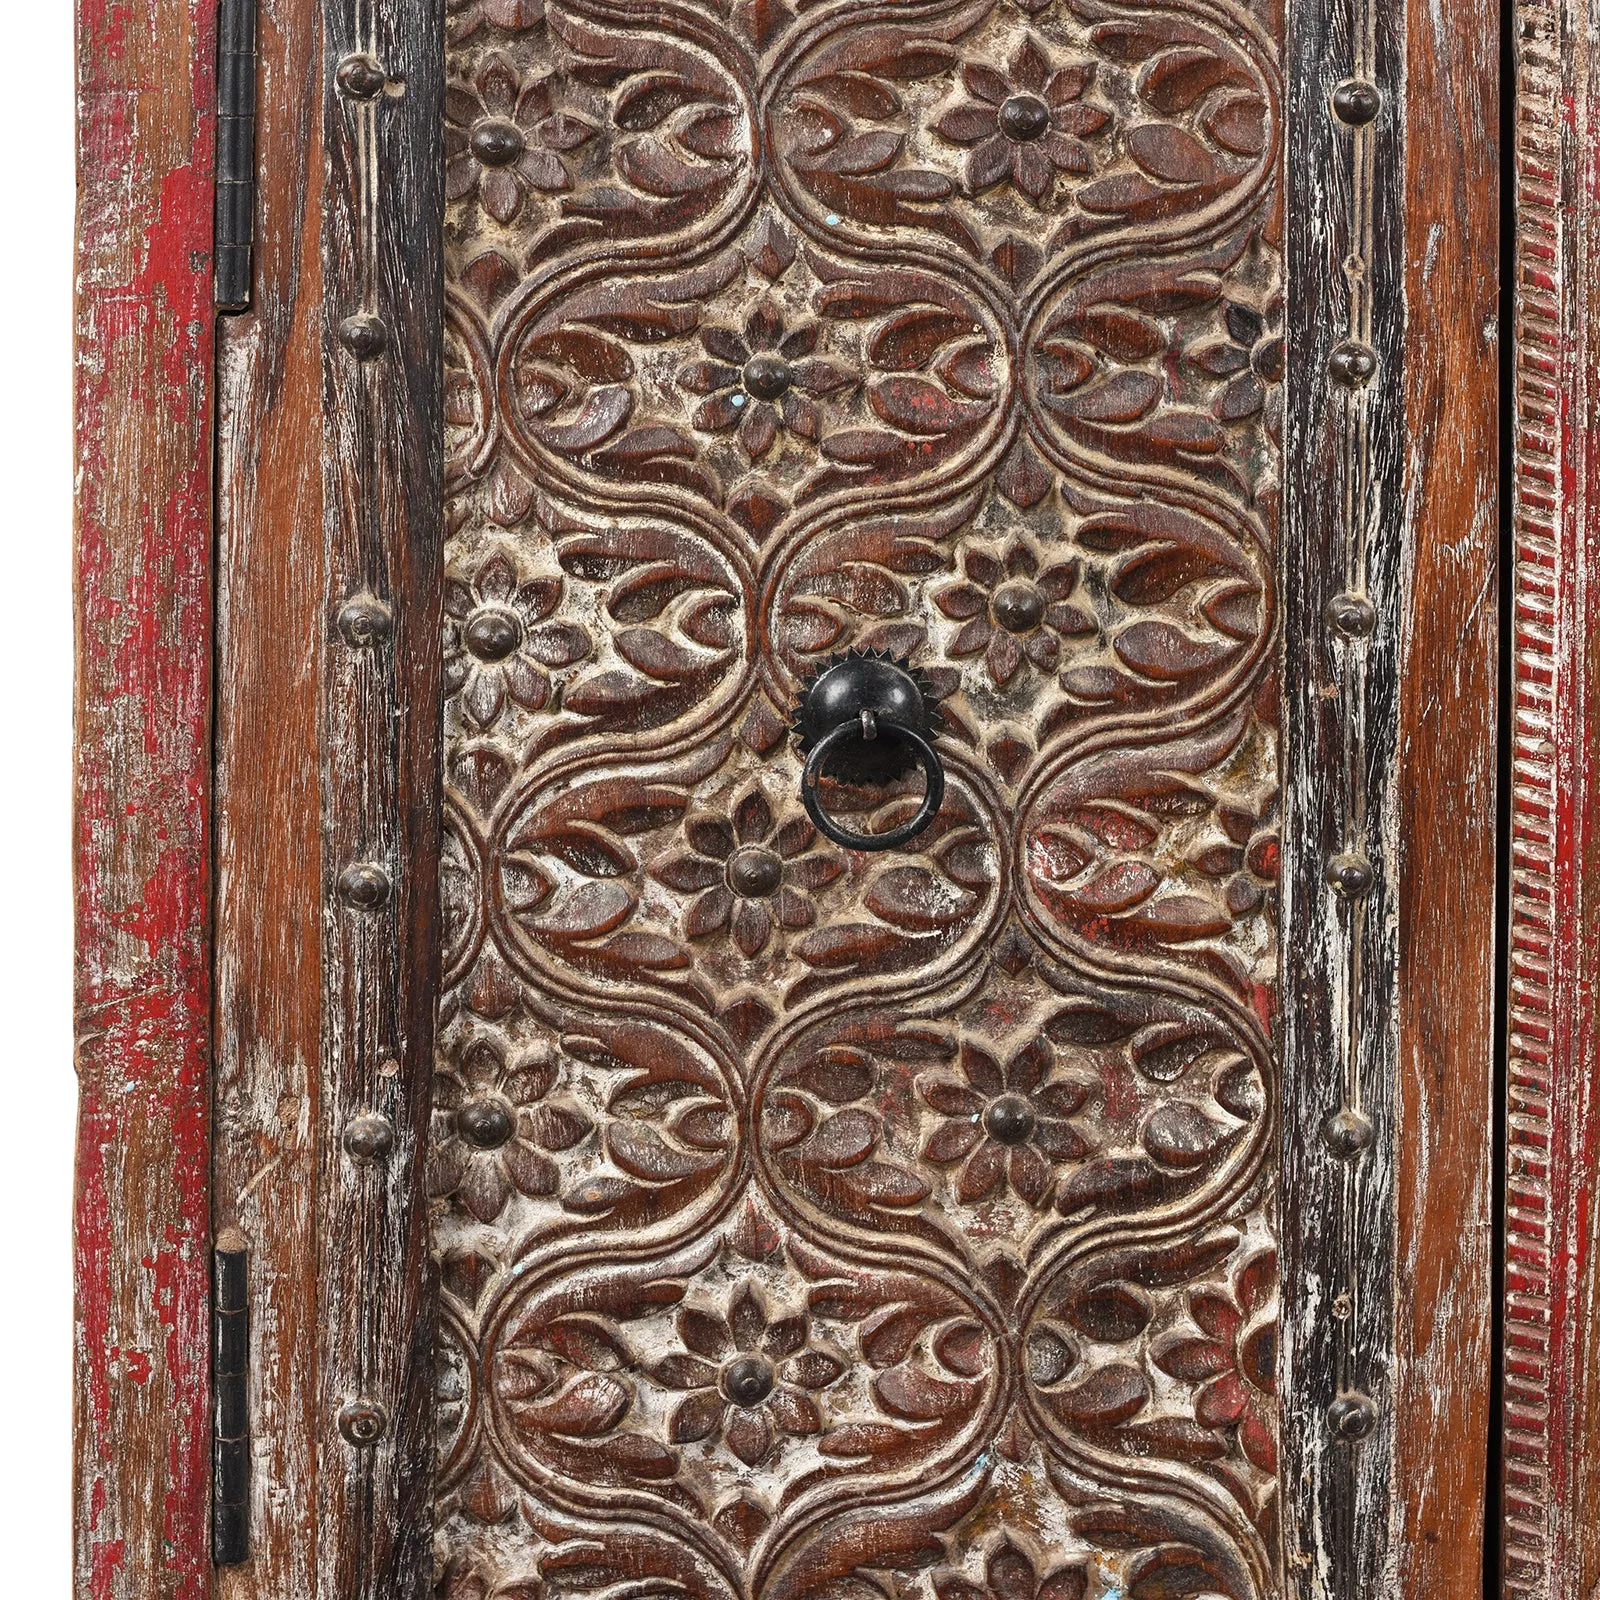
(463, 18)
(1012, 609)
(493, 1126)
(1236, 1361)
(760, 380)
(504, 137)
(1250, 357)
(1026, 124)
(746, 1374)
(1004, 1123)
(752, 872)
(497, 641)
(1009, 1575)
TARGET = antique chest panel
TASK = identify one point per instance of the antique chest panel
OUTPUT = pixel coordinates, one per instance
(836, 921)
(814, 1217)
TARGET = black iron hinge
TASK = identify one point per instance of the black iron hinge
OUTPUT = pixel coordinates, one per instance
(230, 1382)
(236, 153)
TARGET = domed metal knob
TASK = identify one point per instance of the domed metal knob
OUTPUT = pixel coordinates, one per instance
(868, 718)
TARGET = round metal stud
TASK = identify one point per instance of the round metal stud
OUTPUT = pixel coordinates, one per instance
(1356, 102)
(1352, 1416)
(1017, 607)
(363, 1422)
(747, 1380)
(369, 1137)
(364, 886)
(1009, 1120)
(493, 633)
(1352, 364)
(1346, 1133)
(361, 76)
(486, 1122)
(1352, 615)
(497, 143)
(1023, 118)
(766, 376)
(364, 336)
(1350, 875)
(365, 622)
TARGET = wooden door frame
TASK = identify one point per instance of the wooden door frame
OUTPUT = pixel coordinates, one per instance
(145, 538)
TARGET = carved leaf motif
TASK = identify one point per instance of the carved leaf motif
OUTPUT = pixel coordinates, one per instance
(796, 1204)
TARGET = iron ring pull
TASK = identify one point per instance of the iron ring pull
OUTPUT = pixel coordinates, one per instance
(869, 715)
(932, 771)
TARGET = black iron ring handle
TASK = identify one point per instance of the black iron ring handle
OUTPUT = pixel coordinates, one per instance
(871, 727)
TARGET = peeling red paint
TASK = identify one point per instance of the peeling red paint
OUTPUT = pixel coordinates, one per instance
(143, 335)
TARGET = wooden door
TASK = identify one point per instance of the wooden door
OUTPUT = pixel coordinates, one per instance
(630, 1177)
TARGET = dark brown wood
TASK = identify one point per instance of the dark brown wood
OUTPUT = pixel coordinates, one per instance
(142, 393)
(1446, 799)
(1345, 598)
(380, 725)
(270, 641)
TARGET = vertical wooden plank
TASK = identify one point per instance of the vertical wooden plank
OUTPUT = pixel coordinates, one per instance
(1345, 589)
(383, 509)
(1447, 798)
(143, 393)
(1393, 264)
(1551, 1471)
(270, 632)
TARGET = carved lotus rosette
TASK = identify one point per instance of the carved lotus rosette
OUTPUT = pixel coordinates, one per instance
(739, 1382)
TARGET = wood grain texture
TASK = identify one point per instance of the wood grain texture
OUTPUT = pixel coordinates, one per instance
(1345, 444)
(142, 333)
(271, 627)
(1551, 1474)
(382, 439)
(1446, 799)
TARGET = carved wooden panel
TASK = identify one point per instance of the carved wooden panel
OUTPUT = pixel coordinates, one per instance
(813, 1220)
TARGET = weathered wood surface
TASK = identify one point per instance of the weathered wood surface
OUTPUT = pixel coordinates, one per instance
(1446, 800)
(383, 506)
(142, 390)
(1346, 594)
(1551, 1423)
(813, 1216)
(271, 633)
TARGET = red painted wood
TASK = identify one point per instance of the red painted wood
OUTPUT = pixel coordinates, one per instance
(143, 336)
(1551, 1420)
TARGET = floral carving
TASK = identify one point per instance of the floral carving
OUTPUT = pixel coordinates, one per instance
(753, 874)
(504, 136)
(1235, 1360)
(501, 635)
(913, 374)
(1010, 1574)
(1012, 609)
(1250, 359)
(1025, 124)
(745, 1375)
(813, 1221)
(1173, 849)
(760, 380)
(1005, 1125)
(463, 18)
(494, 1128)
